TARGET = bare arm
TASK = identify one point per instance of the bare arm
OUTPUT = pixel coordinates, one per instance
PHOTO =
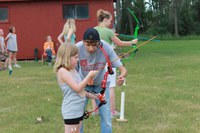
(6, 39)
(5, 48)
(118, 42)
(1, 47)
(60, 38)
(90, 95)
(65, 76)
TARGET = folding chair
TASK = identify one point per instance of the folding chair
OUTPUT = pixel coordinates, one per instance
(44, 57)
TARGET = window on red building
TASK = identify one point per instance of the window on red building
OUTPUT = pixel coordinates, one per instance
(76, 11)
(3, 14)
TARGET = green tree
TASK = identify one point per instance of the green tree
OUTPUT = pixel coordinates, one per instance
(174, 17)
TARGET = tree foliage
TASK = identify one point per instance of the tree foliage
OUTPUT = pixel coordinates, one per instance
(173, 17)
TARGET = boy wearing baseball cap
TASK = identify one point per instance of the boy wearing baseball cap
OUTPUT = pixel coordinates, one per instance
(94, 55)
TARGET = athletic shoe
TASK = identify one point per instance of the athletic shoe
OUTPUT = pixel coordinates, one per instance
(10, 70)
(114, 113)
(17, 66)
(9, 67)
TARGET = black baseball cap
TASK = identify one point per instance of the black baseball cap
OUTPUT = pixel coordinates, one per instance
(91, 34)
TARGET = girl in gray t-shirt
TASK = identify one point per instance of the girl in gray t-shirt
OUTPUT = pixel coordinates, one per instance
(11, 39)
(3, 51)
(72, 86)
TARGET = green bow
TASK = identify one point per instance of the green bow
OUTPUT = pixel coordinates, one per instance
(134, 36)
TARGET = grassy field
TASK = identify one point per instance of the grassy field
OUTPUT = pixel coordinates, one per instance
(162, 94)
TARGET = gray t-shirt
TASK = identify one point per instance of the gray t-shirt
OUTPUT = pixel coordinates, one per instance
(12, 42)
(95, 61)
(73, 103)
(2, 43)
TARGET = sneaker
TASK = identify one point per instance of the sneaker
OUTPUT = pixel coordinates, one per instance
(10, 70)
(17, 66)
(114, 113)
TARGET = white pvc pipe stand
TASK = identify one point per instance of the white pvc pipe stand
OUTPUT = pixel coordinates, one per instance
(122, 107)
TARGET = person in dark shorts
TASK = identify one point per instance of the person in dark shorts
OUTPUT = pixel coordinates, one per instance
(72, 86)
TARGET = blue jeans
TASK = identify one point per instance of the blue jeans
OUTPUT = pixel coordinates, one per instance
(49, 55)
(104, 111)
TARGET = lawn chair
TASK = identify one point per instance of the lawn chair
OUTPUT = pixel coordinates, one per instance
(44, 59)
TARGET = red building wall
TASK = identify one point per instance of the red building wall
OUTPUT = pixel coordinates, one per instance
(34, 20)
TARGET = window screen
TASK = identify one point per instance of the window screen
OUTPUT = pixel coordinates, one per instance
(76, 11)
(3, 14)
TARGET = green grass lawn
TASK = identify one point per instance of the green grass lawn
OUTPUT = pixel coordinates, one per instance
(162, 94)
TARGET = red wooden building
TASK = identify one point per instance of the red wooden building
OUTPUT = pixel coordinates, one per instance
(35, 19)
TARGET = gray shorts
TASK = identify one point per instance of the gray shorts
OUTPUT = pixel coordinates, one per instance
(12, 51)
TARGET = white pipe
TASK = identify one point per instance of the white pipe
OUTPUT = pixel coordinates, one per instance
(122, 105)
(122, 108)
